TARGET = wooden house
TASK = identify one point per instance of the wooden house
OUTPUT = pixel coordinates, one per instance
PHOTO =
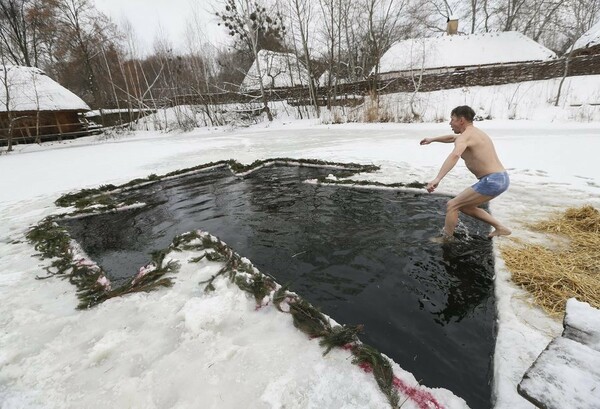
(449, 53)
(34, 107)
(277, 70)
(589, 42)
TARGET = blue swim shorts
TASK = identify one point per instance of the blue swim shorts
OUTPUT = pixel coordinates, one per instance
(492, 184)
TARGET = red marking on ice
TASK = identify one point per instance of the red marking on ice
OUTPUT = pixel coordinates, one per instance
(423, 399)
(260, 306)
(365, 366)
(348, 347)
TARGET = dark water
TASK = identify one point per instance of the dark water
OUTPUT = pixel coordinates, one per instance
(362, 256)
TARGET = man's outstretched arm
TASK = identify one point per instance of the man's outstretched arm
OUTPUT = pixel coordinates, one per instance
(448, 164)
(443, 139)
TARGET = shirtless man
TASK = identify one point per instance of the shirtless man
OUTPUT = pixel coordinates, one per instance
(477, 150)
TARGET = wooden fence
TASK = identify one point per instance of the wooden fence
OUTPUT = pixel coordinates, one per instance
(24, 137)
(402, 81)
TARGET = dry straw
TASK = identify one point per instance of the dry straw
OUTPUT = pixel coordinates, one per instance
(554, 275)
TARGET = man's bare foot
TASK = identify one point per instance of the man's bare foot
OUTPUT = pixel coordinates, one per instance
(500, 231)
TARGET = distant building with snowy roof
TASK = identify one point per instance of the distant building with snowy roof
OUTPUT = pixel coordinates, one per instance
(277, 70)
(36, 105)
(589, 42)
(327, 80)
(450, 51)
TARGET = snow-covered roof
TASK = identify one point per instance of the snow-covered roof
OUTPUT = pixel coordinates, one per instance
(29, 89)
(277, 69)
(463, 50)
(323, 80)
(590, 38)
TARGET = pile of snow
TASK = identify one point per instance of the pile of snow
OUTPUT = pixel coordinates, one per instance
(590, 38)
(461, 51)
(277, 70)
(30, 89)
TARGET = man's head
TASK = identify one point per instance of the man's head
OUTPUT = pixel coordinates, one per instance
(461, 117)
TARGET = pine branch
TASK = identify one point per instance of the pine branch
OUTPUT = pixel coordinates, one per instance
(382, 370)
(308, 319)
(280, 296)
(340, 336)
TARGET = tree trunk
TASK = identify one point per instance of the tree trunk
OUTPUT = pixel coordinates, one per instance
(565, 72)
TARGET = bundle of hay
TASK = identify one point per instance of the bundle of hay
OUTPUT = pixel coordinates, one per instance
(553, 276)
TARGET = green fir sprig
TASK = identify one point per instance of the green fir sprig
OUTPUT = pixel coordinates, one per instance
(340, 336)
(382, 370)
(308, 319)
(414, 185)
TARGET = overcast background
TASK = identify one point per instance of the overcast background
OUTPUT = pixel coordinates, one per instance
(170, 17)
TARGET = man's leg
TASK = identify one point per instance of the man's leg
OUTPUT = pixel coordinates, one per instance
(480, 214)
(467, 202)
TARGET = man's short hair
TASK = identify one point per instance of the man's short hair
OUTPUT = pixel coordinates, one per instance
(464, 111)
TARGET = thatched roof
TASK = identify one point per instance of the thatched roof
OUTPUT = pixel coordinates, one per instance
(590, 39)
(277, 70)
(29, 89)
(463, 50)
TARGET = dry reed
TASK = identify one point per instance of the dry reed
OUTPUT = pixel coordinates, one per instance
(553, 276)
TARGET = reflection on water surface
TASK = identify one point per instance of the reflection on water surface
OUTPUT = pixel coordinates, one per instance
(362, 256)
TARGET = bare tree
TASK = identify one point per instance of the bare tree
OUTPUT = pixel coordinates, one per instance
(302, 16)
(17, 33)
(11, 117)
(571, 22)
(78, 27)
(202, 61)
(83, 32)
(329, 15)
(384, 29)
(36, 96)
(417, 79)
(256, 28)
(6, 101)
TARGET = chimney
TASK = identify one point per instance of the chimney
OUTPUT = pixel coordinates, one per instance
(452, 27)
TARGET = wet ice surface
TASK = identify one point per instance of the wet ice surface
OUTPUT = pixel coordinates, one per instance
(362, 256)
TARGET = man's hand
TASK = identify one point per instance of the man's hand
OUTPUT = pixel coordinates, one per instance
(431, 186)
(425, 141)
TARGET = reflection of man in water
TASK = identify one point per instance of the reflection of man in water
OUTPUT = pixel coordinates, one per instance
(469, 280)
(477, 150)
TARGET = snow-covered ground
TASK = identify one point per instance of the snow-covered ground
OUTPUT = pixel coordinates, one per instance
(179, 347)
